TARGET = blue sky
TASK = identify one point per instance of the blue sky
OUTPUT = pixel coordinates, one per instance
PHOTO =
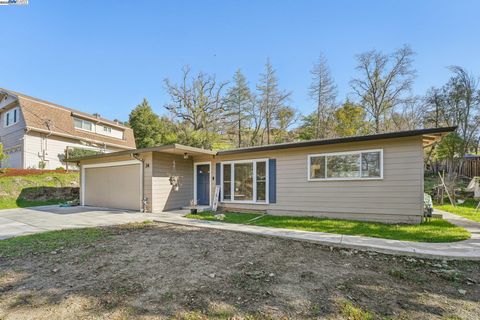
(105, 56)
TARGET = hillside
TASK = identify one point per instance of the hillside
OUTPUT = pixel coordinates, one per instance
(26, 188)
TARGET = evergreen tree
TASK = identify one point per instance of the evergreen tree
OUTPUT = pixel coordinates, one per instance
(149, 129)
(238, 104)
(350, 120)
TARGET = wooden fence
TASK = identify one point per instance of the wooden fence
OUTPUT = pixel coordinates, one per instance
(470, 168)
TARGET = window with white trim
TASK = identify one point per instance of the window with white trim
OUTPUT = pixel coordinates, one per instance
(83, 124)
(11, 117)
(355, 165)
(245, 181)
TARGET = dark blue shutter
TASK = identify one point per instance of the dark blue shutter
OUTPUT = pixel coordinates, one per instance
(272, 180)
(217, 174)
(218, 169)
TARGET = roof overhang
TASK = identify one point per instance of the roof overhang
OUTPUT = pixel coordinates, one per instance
(175, 148)
(430, 139)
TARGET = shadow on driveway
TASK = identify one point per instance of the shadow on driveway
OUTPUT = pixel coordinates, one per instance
(22, 221)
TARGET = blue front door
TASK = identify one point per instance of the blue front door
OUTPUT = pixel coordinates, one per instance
(203, 184)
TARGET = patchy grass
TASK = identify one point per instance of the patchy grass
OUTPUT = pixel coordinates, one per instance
(230, 217)
(168, 271)
(352, 312)
(35, 188)
(466, 209)
(435, 230)
(49, 241)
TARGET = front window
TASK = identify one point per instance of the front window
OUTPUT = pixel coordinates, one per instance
(346, 165)
(245, 181)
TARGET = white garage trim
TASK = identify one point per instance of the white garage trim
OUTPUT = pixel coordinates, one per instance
(110, 164)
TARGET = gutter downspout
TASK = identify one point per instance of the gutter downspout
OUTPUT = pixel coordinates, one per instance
(144, 197)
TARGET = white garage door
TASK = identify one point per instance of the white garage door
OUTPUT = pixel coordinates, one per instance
(113, 187)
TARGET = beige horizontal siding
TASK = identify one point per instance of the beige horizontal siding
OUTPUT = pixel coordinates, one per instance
(398, 197)
(164, 196)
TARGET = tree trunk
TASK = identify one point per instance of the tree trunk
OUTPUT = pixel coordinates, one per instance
(239, 131)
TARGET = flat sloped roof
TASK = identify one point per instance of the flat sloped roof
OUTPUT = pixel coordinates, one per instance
(430, 135)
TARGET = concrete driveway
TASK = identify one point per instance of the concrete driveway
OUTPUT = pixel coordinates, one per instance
(21, 221)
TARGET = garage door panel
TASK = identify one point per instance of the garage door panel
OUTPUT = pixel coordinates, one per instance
(113, 187)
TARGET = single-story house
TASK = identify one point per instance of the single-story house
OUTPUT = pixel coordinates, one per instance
(374, 177)
(37, 134)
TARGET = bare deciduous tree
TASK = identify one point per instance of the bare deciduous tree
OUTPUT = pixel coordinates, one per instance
(409, 115)
(197, 101)
(384, 81)
(324, 92)
(457, 103)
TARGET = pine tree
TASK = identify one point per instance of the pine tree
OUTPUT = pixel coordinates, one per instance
(238, 102)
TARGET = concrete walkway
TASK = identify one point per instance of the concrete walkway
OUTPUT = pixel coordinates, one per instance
(22, 221)
(468, 249)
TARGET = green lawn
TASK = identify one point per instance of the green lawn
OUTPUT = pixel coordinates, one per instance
(435, 230)
(21, 190)
(49, 241)
(20, 203)
(466, 210)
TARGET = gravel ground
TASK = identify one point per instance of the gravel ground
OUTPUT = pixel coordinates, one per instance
(169, 271)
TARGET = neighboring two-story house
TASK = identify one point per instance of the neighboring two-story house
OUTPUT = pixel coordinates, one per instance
(38, 134)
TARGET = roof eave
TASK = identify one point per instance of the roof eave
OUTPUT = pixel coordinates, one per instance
(165, 148)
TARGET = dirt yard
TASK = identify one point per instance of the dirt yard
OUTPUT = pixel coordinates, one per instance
(166, 271)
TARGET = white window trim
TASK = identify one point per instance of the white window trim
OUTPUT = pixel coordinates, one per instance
(345, 153)
(195, 182)
(11, 112)
(93, 125)
(110, 164)
(232, 183)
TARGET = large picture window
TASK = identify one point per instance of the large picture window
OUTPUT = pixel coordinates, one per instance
(245, 181)
(354, 165)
